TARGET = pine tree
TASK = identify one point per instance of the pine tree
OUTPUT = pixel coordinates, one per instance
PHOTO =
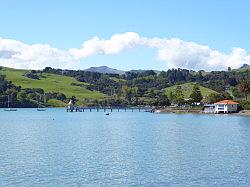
(179, 97)
(196, 95)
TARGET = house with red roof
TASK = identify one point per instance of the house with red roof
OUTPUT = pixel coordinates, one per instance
(226, 106)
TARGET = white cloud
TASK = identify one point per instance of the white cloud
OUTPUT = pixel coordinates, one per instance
(174, 52)
(19, 55)
(178, 53)
(116, 44)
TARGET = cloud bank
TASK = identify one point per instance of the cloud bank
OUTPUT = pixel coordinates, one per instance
(175, 52)
(19, 55)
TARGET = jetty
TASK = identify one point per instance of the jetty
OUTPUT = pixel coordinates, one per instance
(72, 108)
(109, 109)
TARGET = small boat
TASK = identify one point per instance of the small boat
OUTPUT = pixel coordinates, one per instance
(41, 109)
(107, 114)
(9, 109)
(158, 111)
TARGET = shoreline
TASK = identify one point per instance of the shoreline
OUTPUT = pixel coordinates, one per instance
(196, 111)
(166, 110)
(173, 110)
(243, 113)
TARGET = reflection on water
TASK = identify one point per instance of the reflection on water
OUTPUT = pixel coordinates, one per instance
(55, 148)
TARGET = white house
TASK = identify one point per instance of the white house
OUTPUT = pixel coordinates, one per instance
(209, 109)
(226, 106)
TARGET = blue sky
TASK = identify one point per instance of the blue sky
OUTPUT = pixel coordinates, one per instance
(221, 25)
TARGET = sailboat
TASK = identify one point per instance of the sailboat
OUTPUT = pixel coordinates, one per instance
(42, 109)
(9, 109)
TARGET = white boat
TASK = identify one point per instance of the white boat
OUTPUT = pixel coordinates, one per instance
(158, 111)
(39, 108)
(9, 109)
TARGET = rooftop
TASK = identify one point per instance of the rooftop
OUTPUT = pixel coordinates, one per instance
(227, 102)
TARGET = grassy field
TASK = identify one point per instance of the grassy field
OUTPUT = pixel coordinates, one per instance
(122, 81)
(52, 83)
(187, 90)
(56, 103)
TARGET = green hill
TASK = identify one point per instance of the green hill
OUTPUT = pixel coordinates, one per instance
(187, 90)
(52, 83)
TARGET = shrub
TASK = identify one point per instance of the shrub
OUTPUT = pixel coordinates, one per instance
(32, 76)
(245, 105)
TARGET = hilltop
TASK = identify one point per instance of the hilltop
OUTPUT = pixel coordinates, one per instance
(108, 70)
(245, 66)
(187, 90)
(52, 83)
(105, 69)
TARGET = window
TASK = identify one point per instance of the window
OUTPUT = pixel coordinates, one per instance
(220, 107)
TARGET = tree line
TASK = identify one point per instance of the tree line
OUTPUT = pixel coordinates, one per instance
(147, 87)
(135, 88)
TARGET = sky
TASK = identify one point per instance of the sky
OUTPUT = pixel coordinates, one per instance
(131, 34)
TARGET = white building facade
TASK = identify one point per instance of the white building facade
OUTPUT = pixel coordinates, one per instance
(226, 106)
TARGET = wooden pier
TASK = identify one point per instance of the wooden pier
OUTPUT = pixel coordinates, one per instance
(110, 109)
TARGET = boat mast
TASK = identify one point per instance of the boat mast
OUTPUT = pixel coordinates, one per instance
(44, 98)
(8, 101)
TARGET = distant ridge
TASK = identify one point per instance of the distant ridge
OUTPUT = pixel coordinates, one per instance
(105, 69)
(245, 66)
(141, 71)
(137, 71)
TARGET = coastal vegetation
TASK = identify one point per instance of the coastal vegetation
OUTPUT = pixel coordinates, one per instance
(187, 89)
(55, 87)
(50, 84)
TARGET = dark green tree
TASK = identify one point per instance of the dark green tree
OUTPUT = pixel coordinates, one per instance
(162, 100)
(236, 92)
(245, 87)
(179, 97)
(214, 97)
(196, 95)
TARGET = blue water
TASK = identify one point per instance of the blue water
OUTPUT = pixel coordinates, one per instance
(55, 148)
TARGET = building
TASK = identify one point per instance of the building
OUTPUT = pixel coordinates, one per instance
(226, 106)
(209, 109)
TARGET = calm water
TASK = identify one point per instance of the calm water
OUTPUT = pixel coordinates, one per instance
(55, 148)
